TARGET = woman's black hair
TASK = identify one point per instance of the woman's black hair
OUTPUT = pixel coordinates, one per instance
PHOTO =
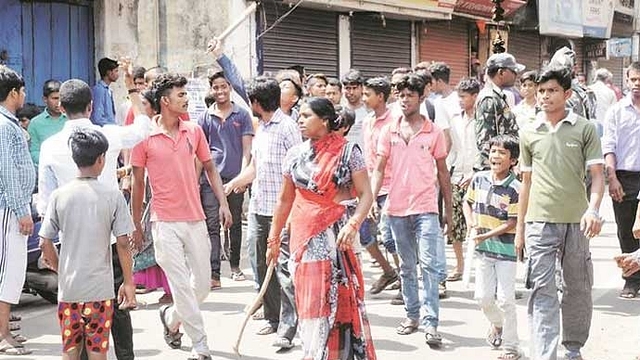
(325, 110)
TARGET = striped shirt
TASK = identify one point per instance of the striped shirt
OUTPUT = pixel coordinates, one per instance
(493, 203)
(272, 141)
(17, 173)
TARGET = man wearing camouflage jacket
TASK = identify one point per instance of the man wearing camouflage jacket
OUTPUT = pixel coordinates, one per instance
(493, 115)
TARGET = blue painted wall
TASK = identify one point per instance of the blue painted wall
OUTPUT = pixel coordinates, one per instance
(46, 40)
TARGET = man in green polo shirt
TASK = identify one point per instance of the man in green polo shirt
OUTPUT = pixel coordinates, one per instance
(49, 122)
(555, 150)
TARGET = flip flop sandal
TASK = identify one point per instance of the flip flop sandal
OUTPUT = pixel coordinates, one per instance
(510, 355)
(14, 326)
(454, 277)
(283, 343)
(172, 339)
(494, 337)
(433, 338)
(200, 357)
(17, 350)
(19, 338)
(407, 327)
(238, 276)
(267, 330)
(259, 315)
(14, 318)
(628, 293)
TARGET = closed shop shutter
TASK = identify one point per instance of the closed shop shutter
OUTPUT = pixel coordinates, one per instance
(306, 37)
(377, 46)
(447, 41)
(580, 59)
(525, 46)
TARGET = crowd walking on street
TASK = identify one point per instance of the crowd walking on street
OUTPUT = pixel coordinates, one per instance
(512, 164)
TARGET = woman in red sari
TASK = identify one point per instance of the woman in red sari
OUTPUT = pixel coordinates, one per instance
(319, 174)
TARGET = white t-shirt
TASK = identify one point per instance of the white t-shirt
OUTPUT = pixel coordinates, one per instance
(448, 108)
(355, 134)
(464, 149)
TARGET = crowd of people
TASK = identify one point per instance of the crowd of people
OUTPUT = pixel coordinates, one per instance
(143, 197)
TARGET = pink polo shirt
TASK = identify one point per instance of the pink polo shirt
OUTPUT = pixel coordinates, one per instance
(371, 128)
(171, 170)
(413, 168)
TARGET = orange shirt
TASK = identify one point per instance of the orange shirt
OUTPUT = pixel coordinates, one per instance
(371, 128)
(413, 168)
(171, 170)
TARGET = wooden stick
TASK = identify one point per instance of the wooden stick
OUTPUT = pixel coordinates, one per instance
(254, 306)
(247, 12)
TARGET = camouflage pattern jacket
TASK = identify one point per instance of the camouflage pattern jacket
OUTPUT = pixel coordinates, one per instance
(492, 117)
(582, 101)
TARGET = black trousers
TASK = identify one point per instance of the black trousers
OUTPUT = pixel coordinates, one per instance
(121, 329)
(288, 313)
(625, 214)
(211, 208)
(259, 227)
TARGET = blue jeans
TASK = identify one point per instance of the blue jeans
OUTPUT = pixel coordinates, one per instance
(369, 229)
(419, 238)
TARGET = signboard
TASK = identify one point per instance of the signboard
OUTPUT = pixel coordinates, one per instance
(595, 50)
(619, 47)
(484, 8)
(197, 90)
(597, 18)
(576, 18)
(624, 6)
(561, 18)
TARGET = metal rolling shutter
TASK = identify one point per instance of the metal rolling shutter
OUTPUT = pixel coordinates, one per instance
(580, 59)
(525, 46)
(446, 41)
(306, 37)
(378, 47)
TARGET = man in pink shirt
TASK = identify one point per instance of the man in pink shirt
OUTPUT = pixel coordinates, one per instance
(375, 95)
(416, 150)
(178, 226)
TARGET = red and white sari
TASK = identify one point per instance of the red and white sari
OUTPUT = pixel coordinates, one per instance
(329, 288)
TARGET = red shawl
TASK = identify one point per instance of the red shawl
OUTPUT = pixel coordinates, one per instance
(314, 211)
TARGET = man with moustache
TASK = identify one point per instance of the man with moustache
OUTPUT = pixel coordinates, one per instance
(352, 83)
(493, 115)
(622, 158)
(276, 134)
(17, 181)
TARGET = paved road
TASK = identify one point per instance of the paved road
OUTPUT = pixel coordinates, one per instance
(614, 333)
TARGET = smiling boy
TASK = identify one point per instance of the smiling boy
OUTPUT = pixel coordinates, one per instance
(555, 151)
(491, 209)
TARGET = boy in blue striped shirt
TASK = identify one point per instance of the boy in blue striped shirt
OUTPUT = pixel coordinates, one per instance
(491, 209)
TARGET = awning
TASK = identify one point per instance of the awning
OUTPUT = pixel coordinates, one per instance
(403, 9)
(483, 9)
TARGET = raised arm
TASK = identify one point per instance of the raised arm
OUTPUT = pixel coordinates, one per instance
(231, 72)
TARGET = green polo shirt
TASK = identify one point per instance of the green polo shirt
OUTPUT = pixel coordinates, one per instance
(40, 129)
(557, 159)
